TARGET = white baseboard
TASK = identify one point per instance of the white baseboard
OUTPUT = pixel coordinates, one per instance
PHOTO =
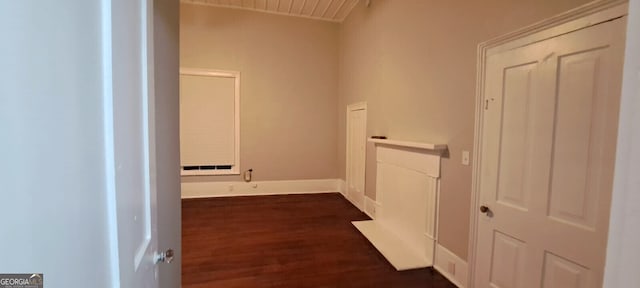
(343, 190)
(354, 202)
(371, 207)
(451, 266)
(342, 187)
(254, 188)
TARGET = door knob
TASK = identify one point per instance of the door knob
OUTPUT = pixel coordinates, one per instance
(485, 209)
(166, 256)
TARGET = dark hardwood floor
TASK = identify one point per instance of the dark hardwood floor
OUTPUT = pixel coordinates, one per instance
(285, 241)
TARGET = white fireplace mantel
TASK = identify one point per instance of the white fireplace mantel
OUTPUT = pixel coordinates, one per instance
(407, 188)
(409, 144)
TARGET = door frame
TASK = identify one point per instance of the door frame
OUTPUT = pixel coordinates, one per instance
(622, 248)
(582, 17)
(354, 107)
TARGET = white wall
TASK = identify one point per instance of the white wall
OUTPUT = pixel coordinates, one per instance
(52, 196)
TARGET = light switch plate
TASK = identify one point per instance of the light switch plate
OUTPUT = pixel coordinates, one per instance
(465, 158)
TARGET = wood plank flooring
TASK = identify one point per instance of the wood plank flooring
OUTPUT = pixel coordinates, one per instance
(285, 241)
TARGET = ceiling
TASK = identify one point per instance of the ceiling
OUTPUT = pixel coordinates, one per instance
(327, 10)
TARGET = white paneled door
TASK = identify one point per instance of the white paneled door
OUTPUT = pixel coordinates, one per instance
(130, 112)
(547, 160)
(356, 152)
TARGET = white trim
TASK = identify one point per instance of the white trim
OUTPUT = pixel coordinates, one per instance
(578, 18)
(445, 258)
(360, 207)
(623, 252)
(350, 108)
(581, 17)
(235, 169)
(109, 141)
(342, 187)
(409, 144)
(231, 171)
(255, 188)
(151, 241)
(371, 207)
(436, 231)
(209, 72)
(357, 106)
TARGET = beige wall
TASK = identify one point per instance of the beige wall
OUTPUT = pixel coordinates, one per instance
(414, 62)
(289, 70)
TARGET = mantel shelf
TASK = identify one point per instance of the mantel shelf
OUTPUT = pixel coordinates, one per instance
(418, 145)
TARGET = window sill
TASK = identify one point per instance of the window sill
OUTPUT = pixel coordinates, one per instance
(209, 172)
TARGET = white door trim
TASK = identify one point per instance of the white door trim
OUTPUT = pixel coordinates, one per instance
(623, 253)
(109, 145)
(354, 107)
(584, 16)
